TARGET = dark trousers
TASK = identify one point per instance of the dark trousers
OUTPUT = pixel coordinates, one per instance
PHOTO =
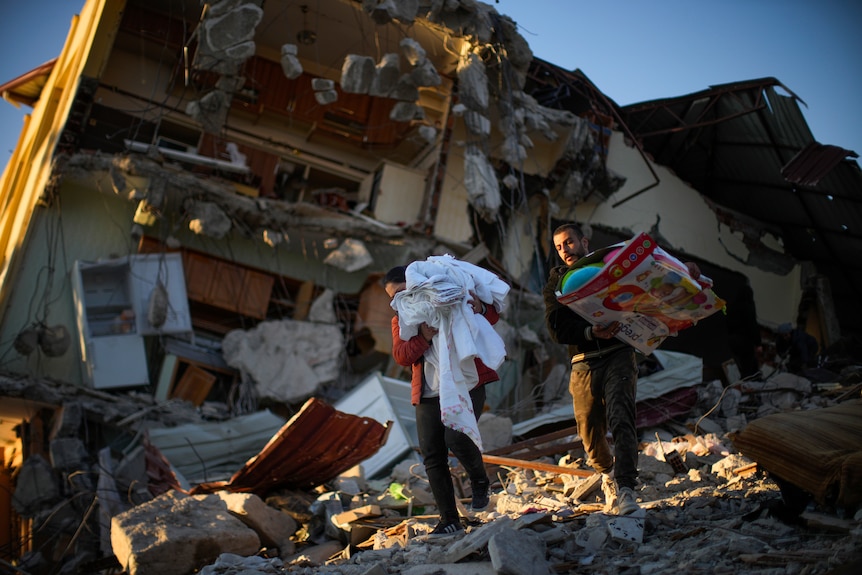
(603, 393)
(435, 441)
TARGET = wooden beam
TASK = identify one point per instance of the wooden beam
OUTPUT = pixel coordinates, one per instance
(538, 466)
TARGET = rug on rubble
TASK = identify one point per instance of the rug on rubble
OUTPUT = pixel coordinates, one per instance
(817, 450)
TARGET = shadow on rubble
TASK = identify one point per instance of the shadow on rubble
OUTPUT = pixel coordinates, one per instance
(777, 460)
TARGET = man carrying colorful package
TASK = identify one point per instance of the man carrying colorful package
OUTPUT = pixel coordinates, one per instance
(603, 382)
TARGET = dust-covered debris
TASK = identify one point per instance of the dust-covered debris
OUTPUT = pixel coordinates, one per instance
(697, 522)
(713, 511)
(704, 507)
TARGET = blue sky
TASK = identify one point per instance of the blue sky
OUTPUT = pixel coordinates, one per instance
(633, 50)
(31, 33)
(639, 50)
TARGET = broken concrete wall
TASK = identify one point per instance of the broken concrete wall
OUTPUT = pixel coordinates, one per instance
(677, 215)
(470, 19)
(543, 138)
(81, 209)
(226, 40)
(453, 220)
(301, 255)
(519, 239)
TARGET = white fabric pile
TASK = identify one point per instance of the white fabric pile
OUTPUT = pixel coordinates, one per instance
(437, 293)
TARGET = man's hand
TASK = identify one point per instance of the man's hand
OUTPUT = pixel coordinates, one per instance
(475, 303)
(693, 269)
(427, 331)
(606, 331)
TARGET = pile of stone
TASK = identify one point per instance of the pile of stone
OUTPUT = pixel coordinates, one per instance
(717, 512)
(721, 515)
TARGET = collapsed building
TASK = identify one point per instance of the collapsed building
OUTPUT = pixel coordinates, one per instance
(205, 196)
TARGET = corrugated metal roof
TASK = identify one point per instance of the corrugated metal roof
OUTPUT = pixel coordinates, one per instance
(813, 162)
(314, 446)
(747, 147)
(202, 452)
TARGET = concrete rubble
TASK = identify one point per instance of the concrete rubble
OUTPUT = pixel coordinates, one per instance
(720, 514)
(107, 497)
(703, 521)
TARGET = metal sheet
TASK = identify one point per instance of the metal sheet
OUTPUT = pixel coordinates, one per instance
(201, 452)
(386, 400)
(314, 446)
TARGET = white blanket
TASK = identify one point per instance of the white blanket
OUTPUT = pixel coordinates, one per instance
(437, 293)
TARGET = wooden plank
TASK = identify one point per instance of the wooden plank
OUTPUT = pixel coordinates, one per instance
(256, 293)
(195, 385)
(538, 466)
(746, 469)
(303, 300)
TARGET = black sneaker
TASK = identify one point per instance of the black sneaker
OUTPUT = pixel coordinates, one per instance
(445, 528)
(480, 495)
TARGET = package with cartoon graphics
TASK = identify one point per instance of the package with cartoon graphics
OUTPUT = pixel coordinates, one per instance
(650, 292)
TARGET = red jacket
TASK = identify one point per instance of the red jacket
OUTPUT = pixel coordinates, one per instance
(410, 352)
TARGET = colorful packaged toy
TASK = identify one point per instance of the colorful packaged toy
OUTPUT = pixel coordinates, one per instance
(647, 290)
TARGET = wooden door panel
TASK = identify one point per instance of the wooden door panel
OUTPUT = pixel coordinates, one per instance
(199, 271)
(227, 286)
(256, 294)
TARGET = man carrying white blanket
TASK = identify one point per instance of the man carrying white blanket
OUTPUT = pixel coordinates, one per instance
(443, 329)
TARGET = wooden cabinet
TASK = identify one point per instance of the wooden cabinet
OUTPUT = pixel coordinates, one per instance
(227, 285)
(200, 272)
(258, 289)
(194, 386)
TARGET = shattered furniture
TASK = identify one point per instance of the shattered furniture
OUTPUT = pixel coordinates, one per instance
(114, 304)
(191, 371)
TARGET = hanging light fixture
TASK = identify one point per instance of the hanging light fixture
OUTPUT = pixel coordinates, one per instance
(305, 36)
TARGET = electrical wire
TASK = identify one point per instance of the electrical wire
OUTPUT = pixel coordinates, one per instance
(719, 400)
